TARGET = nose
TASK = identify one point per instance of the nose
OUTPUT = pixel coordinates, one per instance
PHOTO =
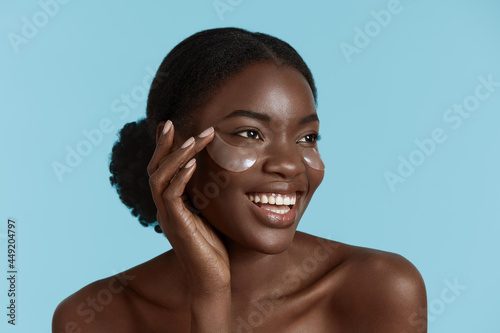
(284, 160)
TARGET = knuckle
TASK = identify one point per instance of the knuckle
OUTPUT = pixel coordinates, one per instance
(154, 181)
(168, 195)
(150, 169)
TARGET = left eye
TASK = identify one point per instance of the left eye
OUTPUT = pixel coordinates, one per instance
(251, 134)
(309, 138)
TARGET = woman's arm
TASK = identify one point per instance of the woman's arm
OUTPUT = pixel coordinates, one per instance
(200, 251)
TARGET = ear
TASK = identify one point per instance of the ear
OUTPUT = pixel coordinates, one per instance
(159, 129)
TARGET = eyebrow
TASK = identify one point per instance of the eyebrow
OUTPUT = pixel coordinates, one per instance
(249, 114)
(309, 119)
(264, 117)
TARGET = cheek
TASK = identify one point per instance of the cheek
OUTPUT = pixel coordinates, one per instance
(312, 157)
(315, 178)
(210, 192)
(208, 184)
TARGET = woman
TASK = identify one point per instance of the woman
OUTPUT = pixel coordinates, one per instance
(226, 162)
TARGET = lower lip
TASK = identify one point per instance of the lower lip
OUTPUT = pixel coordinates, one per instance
(273, 219)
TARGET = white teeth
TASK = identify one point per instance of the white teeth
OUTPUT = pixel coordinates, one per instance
(278, 211)
(274, 199)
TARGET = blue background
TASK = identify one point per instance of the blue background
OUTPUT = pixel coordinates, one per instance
(65, 78)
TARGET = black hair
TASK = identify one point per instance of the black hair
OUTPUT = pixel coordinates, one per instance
(189, 76)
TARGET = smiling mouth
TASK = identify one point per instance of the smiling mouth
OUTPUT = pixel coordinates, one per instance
(274, 202)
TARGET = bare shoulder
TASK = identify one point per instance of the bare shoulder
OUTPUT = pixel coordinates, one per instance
(101, 306)
(384, 289)
(131, 301)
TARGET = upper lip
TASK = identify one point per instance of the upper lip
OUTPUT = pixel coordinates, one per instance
(280, 188)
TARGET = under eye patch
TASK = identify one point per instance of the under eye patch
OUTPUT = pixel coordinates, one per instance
(239, 159)
(231, 158)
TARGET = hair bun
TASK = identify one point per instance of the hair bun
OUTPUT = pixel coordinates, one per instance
(128, 166)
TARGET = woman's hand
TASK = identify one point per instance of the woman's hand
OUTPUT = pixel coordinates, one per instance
(199, 249)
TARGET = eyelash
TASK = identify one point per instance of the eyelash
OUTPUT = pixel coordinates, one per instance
(249, 130)
(316, 136)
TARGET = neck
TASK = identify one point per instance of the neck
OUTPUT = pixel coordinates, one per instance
(256, 275)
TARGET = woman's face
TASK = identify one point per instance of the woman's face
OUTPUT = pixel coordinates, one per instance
(269, 111)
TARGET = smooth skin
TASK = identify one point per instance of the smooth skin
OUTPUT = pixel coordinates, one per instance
(229, 270)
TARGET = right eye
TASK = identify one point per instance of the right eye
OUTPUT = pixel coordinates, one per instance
(249, 133)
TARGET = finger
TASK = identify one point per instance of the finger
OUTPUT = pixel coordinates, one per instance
(175, 193)
(162, 214)
(201, 141)
(168, 168)
(163, 147)
(174, 161)
(204, 138)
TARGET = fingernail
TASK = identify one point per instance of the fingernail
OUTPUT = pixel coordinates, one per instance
(188, 142)
(206, 132)
(190, 163)
(167, 127)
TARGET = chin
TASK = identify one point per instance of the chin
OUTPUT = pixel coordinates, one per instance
(277, 246)
(268, 241)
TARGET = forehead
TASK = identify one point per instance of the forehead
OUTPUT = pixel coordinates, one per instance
(280, 92)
